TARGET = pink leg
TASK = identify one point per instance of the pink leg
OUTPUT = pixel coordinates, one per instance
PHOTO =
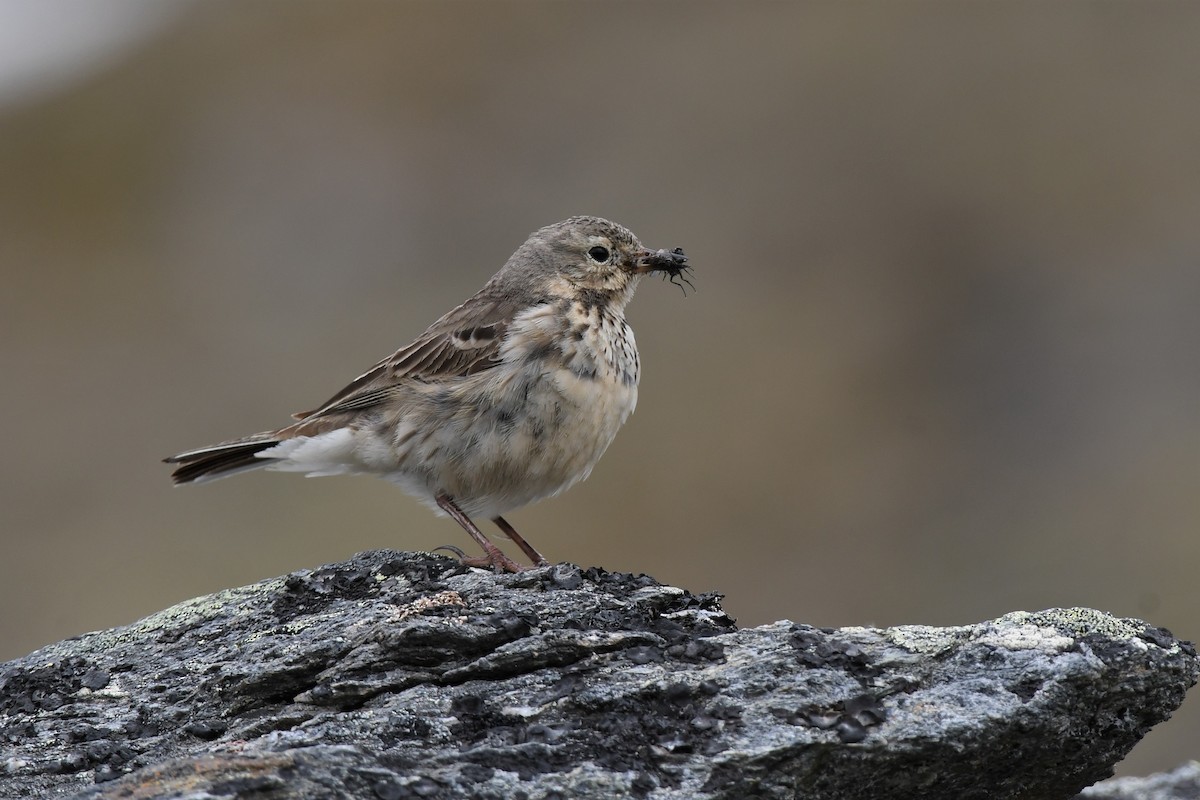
(493, 557)
(530, 552)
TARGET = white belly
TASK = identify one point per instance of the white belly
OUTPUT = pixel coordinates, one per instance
(551, 442)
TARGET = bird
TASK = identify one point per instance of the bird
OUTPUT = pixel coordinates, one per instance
(510, 398)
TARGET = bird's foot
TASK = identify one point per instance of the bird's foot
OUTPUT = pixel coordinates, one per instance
(493, 559)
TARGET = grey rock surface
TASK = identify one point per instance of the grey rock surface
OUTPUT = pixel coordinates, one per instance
(405, 675)
(1182, 783)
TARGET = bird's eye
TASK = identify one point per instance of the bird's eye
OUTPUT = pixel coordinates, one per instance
(598, 254)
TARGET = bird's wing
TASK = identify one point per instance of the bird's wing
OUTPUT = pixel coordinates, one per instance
(463, 342)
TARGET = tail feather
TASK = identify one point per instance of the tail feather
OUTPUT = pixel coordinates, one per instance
(221, 460)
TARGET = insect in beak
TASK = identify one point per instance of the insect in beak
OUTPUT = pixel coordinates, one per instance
(668, 262)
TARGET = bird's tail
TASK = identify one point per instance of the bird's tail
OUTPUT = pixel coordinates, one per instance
(221, 460)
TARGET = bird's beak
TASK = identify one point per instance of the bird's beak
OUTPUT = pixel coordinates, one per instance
(672, 261)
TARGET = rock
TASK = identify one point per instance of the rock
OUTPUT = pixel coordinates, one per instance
(1182, 783)
(406, 675)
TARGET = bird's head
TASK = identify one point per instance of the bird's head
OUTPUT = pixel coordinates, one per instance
(595, 257)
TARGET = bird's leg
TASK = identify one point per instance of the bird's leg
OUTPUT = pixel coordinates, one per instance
(526, 548)
(494, 558)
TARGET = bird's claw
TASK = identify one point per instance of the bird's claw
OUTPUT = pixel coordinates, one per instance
(494, 560)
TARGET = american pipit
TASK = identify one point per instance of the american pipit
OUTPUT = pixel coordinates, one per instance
(510, 398)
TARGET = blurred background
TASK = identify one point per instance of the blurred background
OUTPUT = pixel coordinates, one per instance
(943, 361)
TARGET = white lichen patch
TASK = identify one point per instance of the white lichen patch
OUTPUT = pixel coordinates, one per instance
(1076, 622)
(1025, 637)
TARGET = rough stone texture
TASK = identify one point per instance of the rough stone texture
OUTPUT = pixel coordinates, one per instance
(1182, 783)
(406, 675)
